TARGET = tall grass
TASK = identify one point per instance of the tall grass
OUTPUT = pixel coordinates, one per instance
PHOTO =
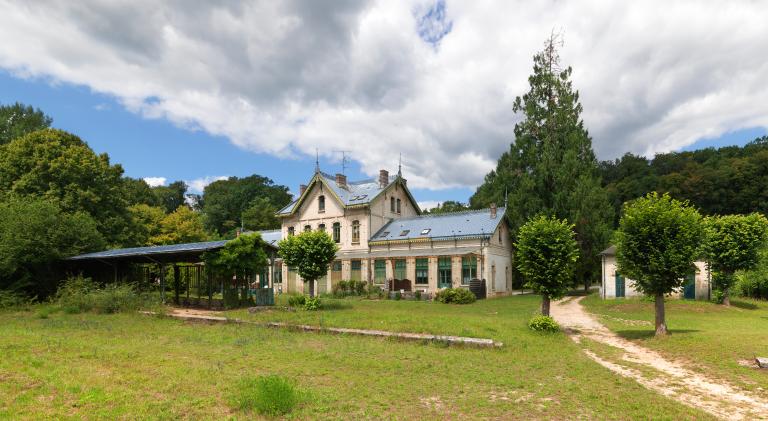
(80, 295)
(267, 395)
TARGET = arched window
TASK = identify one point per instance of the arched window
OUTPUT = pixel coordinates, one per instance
(321, 204)
(355, 232)
(336, 232)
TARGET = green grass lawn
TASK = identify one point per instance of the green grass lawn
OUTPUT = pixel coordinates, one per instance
(134, 366)
(710, 337)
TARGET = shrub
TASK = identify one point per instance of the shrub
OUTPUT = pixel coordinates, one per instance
(312, 304)
(417, 295)
(343, 286)
(543, 324)
(13, 300)
(456, 296)
(268, 395)
(398, 296)
(78, 295)
(297, 300)
(718, 296)
(360, 288)
(754, 283)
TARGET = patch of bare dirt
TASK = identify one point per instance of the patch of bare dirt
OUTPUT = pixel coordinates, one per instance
(674, 379)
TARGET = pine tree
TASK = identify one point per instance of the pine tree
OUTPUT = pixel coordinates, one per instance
(551, 168)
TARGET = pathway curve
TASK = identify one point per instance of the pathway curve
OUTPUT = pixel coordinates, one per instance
(668, 377)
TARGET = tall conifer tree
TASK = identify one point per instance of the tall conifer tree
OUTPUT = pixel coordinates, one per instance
(551, 168)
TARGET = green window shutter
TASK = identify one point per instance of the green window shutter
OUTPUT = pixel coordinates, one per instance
(422, 271)
(468, 269)
(400, 269)
(380, 271)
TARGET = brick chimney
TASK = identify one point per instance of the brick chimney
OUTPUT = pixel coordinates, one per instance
(302, 189)
(383, 178)
(341, 180)
(493, 210)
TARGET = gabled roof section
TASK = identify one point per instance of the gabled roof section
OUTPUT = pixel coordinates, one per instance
(465, 224)
(354, 193)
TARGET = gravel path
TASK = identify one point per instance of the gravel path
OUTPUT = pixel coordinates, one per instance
(668, 377)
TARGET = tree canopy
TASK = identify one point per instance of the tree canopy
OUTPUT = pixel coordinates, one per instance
(447, 207)
(733, 243)
(546, 255)
(34, 235)
(57, 165)
(242, 256)
(657, 242)
(172, 196)
(225, 201)
(551, 168)
(728, 180)
(311, 253)
(18, 119)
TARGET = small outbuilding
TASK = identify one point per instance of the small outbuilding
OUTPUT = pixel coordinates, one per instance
(615, 285)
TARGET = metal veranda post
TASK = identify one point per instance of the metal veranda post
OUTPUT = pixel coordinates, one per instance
(162, 283)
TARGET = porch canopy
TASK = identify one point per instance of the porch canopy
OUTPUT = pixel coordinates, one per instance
(188, 253)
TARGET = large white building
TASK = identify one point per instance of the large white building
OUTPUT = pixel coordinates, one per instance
(383, 236)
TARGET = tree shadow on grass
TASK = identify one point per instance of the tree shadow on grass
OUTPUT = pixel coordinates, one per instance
(336, 305)
(650, 333)
(744, 305)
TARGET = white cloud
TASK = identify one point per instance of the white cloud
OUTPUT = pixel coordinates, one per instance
(197, 185)
(428, 204)
(155, 181)
(286, 77)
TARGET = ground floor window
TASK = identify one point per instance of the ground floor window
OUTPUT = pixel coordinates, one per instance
(380, 271)
(336, 271)
(422, 271)
(468, 269)
(444, 272)
(356, 270)
(400, 269)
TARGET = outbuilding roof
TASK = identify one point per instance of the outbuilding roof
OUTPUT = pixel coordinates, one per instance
(610, 251)
(170, 251)
(465, 224)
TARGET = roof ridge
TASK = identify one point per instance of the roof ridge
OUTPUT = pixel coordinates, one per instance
(437, 215)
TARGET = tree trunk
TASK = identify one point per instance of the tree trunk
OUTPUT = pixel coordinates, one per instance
(311, 288)
(545, 305)
(661, 322)
(726, 297)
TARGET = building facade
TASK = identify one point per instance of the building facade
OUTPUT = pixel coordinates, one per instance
(615, 285)
(382, 236)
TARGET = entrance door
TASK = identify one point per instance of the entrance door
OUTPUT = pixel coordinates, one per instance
(689, 290)
(619, 286)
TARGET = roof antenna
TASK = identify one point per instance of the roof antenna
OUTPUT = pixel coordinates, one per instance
(317, 160)
(344, 160)
(399, 165)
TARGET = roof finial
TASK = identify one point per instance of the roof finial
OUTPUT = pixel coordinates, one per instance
(400, 165)
(317, 160)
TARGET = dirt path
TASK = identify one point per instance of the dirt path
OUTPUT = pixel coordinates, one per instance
(650, 369)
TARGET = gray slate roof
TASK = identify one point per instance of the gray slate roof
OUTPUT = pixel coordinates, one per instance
(466, 224)
(355, 193)
(610, 251)
(271, 237)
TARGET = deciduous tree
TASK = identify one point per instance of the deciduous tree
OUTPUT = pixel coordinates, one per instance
(310, 253)
(657, 242)
(546, 256)
(733, 243)
(18, 119)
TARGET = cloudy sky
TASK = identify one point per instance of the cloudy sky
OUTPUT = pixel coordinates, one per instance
(199, 90)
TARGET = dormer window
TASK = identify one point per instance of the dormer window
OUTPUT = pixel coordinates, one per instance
(426, 231)
(403, 233)
(321, 204)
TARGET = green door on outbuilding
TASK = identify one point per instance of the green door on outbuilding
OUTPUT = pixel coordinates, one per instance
(689, 290)
(620, 286)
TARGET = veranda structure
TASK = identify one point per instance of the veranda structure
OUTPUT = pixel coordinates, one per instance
(191, 285)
